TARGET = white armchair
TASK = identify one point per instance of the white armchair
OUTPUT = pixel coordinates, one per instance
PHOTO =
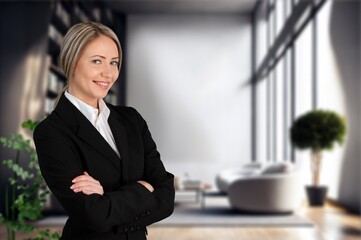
(228, 176)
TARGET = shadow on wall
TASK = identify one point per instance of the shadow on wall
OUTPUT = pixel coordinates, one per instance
(346, 45)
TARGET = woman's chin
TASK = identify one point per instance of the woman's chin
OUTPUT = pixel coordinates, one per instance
(101, 95)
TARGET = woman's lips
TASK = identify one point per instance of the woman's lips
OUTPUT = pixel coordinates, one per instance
(103, 85)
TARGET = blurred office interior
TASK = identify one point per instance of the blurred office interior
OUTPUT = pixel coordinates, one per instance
(219, 82)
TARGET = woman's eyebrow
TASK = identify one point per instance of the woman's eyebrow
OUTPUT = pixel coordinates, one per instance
(97, 56)
(102, 56)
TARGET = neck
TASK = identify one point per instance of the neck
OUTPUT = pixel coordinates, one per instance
(91, 102)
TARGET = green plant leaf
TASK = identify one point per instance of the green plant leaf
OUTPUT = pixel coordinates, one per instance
(4, 141)
(12, 181)
(22, 227)
(46, 235)
(11, 136)
(29, 124)
(18, 170)
(27, 146)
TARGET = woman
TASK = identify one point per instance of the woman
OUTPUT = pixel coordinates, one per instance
(100, 160)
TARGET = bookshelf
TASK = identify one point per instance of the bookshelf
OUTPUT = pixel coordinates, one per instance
(63, 15)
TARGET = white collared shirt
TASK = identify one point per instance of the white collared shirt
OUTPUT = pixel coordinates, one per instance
(99, 118)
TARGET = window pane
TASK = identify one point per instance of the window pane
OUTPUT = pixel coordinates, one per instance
(279, 111)
(280, 13)
(261, 33)
(303, 81)
(261, 121)
(288, 102)
(269, 117)
(304, 71)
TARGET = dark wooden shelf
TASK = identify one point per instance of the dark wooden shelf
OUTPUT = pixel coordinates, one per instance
(53, 49)
(68, 5)
(59, 24)
(84, 6)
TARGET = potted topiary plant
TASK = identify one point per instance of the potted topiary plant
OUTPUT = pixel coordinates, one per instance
(317, 130)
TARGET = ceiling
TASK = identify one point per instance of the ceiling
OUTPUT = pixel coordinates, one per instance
(182, 6)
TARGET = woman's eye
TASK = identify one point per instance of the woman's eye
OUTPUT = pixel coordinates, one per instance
(96, 61)
(114, 63)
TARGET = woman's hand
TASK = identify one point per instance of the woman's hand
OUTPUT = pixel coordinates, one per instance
(87, 185)
(147, 185)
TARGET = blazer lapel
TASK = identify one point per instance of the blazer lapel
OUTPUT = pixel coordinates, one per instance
(89, 134)
(85, 130)
(121, 139)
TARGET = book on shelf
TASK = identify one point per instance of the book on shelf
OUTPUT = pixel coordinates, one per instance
(81, 15)
(54, 34)
(52, 82)
(62, 14)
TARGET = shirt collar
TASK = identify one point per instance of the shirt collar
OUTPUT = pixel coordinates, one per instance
(103, 108)
(88, 111)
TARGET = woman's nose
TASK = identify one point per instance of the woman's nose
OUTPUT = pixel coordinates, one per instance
(106, 72)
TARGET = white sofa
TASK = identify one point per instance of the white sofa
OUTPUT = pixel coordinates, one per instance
(256, 187)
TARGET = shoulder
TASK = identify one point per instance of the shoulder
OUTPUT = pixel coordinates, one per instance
(51, 126)
(122, 109)
(127, 112)
(44, 126)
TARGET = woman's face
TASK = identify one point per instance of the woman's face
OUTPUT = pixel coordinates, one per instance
(96, 71)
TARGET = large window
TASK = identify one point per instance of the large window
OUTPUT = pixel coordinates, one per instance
(284, 77)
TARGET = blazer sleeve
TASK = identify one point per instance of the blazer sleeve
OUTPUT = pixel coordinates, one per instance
(60, 163)
(158, 177)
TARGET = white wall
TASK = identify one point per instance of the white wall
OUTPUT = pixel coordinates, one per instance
(339, 90)
(188, 75)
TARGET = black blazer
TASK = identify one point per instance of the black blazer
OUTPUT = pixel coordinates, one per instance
(68, 144)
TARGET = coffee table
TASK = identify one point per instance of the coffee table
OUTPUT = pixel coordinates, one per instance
(194, 194)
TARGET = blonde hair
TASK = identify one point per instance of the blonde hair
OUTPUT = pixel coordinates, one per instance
(75, 40)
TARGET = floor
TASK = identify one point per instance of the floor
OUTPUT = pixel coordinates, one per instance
(331, 223)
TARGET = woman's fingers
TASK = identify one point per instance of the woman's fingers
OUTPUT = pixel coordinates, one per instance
(87, 188)
(87, 185)
(83, 184)
(83, 178)
(147, 185)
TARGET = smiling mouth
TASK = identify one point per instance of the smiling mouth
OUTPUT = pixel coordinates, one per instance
(103, 85)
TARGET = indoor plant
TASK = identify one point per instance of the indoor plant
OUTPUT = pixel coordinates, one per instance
(317, 130)
(27, 191)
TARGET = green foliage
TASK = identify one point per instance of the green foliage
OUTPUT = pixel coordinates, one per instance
(318, 130)
(23, 201)
(45, 235)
